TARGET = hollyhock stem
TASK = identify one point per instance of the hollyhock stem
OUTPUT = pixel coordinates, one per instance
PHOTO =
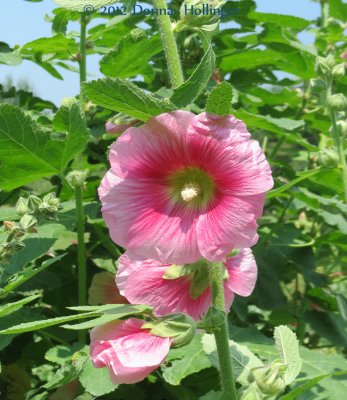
(221, 333)
(83, 54)
(338, 143)
(170, 46)
(81, 254)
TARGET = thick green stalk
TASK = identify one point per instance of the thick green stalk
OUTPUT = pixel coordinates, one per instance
(221, 333)
(170, 46)
(81, 255)
(83, 53)
(338, 143)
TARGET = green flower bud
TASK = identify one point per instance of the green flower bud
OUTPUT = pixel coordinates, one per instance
(34, 203)
(269, 378)
(317, 85)
(199, 14)
(342, 127)
(28, 223)
(251, 392)
(180, 327)
(338, 102)
(324, 65)
(76, 179)
(328, 158)
(338, 71)
(22, 206)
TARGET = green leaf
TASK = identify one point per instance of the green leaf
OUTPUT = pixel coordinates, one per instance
(11, 58)
(193, 360)
(27, 151)
(36, 325)
(71, 120)
(190, 90)
(131, 56)
(288, 21)
(96, 381)
(219, 100)
(288, 348)
(12, 307)
(78, 5)
(338, 9)
(123, 96)
(243, 360)
(55, 44)
(308, 385)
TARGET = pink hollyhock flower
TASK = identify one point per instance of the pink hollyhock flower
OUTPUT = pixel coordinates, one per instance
(129, 352)
(144, 282)
(184, 187)
(104, 291)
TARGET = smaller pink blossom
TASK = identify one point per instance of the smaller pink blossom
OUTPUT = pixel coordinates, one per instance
(130, 352)
(142, 281)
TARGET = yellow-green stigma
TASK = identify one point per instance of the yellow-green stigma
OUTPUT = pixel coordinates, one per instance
(192, 186)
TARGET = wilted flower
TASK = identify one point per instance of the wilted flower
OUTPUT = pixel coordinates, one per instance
(172, 289)
(184, 187)
(130, 352)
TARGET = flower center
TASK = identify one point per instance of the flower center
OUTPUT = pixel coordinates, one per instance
(190, 191)
(192, 186)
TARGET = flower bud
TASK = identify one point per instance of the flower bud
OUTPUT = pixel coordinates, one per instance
(34, 203)
(180, 327)
(251, 392)
(199, 14)
(338, 102)
(120, 123)
(324, 64)
(28, 223)
(269, 378)
(338, 71)
(22, 206)
(342, 127)
(328, 158)
(76, 179)
(49, 206)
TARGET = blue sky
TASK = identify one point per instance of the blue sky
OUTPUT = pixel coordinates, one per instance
(22, 21)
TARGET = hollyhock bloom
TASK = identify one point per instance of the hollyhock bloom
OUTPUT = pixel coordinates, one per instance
(104, 291)
(145, 282)
(184, 187)
(129, 352)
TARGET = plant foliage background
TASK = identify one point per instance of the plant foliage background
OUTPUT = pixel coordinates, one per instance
(301, 253)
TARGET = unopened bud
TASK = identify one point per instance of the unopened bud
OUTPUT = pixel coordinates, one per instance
(251, 392)
(34, 203)
(342, 127)
(180, 327)
(22, 206)
(9, 225)
(76, 179)
(338, 102)
(338, 71)
(328, 158)
(28, 223)
(269, 378)
(324, 65)
(213, 318)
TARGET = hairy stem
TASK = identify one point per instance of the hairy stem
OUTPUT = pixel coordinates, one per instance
(338, 144)
(221, 333)
(81, 255)
(83, 54)
(170, 46)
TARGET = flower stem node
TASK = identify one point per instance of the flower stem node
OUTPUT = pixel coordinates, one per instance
(337, 102)
(180, 327)
(76, 179)
(269, 378)
(213, 319)
(328, 158)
